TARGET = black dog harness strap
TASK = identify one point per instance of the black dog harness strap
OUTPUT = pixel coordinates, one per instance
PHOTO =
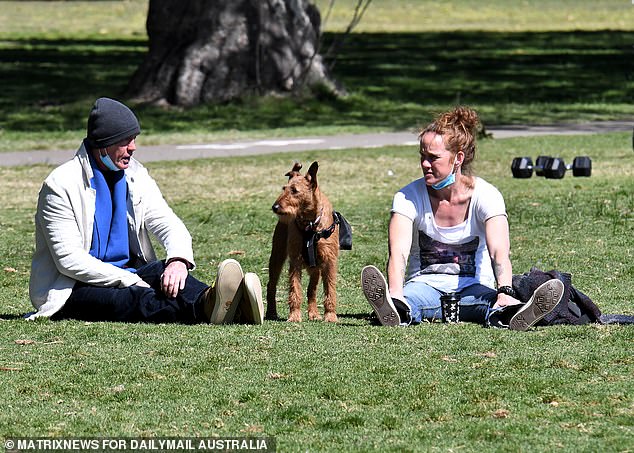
(311, 236)
(309, 251)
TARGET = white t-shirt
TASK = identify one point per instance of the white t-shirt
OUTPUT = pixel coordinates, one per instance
(449, 258)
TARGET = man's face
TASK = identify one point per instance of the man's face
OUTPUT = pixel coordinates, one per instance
(120, 153)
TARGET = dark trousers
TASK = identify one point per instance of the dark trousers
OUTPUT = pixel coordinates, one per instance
(136, 303)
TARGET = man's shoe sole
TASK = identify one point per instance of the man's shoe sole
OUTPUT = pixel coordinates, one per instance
(375, 289)
(253, 308)
(228, 289)
(543, 301)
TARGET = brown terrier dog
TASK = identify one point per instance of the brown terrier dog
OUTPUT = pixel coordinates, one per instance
(306, 233)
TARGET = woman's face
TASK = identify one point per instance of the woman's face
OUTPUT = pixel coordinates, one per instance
(435, 161)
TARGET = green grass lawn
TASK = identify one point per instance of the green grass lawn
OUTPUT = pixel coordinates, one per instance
(533, 62)
(351, 386)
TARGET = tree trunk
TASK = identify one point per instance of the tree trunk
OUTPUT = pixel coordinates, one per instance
(206, 51)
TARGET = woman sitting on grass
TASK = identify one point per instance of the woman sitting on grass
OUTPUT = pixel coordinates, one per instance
(449, 233)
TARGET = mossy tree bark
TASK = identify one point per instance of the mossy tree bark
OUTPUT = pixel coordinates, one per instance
(209, 51)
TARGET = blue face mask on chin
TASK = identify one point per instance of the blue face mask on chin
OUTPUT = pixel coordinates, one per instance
(449, 180)
(108, 163)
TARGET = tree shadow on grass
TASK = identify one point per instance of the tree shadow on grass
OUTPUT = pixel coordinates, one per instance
(492, 68)
(50, 84)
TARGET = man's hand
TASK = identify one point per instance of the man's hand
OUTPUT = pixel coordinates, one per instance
(173, 278)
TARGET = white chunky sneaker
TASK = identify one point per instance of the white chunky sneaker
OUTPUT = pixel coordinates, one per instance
(223, 297)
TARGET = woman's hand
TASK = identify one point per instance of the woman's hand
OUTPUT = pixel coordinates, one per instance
(504, 300)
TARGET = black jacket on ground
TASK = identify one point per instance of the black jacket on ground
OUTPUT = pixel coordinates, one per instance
(575, 307)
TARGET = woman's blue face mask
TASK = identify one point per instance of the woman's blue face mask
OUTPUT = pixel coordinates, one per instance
(449, 180)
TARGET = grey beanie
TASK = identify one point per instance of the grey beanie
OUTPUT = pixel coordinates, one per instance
(110, 122)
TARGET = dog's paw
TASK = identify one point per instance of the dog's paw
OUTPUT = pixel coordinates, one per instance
(314, 316)
(295, 317)
(330, 317)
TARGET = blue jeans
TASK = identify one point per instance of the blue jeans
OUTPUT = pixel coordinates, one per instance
(136, 303)
(423, 302)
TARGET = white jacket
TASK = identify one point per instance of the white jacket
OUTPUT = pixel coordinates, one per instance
(64, 226)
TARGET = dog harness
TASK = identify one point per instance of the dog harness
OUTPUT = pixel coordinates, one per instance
(312, 236)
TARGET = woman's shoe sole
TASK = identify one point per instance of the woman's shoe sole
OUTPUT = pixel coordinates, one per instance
(543, 301)
(375, 290)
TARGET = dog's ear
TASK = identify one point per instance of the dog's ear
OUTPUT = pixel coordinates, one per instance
(295, 170)
(311, 174)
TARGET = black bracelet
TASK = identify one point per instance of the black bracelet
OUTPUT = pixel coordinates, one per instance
(182, 260)
(508, 290)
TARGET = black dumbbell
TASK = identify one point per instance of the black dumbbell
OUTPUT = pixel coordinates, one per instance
(522, 167)
(550, 167)
(555, 167)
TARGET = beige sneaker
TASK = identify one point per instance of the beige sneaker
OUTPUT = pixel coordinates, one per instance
(251, 306)
(223, 297)
(543, 301)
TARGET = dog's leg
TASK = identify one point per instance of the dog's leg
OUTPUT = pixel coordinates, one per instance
(313, 312)
(276, 262)
(294, 292)
(329, 275)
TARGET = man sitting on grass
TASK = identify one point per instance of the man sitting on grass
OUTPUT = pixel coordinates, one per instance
(94, 260)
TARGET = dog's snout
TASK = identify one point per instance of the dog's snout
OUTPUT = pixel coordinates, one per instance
(275, 207)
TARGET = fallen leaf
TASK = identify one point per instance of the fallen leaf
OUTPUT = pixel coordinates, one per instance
(10, 269)
(276, 375)
(448, 359)
(582, 427)
(253, 429)
(236, 252)
(501, 413)
(24, 341)
(218, 423)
